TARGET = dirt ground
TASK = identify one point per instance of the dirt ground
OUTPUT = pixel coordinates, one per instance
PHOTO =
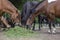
(42, 35)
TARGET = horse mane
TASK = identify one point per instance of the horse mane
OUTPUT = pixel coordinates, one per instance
(33, 9)
(38, 4)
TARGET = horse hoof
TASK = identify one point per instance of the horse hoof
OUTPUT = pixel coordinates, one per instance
(54, 30)
(49, 31)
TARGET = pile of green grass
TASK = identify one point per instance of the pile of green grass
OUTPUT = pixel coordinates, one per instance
(19, 32)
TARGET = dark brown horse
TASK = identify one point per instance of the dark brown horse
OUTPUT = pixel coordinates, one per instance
(51, 10)
(8, 7)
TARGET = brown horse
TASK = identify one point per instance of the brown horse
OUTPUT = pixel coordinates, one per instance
(51, 10)
(8, 7)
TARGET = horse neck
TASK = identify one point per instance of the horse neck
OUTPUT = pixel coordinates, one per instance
(39, 8)
(44, 3)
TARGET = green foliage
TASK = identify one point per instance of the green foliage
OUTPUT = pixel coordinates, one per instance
(18, 3)
(57, 20)
(6, 15)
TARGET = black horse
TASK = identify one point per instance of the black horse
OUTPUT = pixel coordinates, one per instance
(26, 12)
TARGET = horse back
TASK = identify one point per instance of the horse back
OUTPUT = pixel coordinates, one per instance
(8, 5)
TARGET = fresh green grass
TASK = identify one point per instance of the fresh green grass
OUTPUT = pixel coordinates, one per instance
(19, 32)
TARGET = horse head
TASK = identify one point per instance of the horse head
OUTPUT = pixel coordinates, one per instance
(16, 17)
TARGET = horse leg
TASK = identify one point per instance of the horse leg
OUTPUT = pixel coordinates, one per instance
(29, 27)
(50, 29)
(53, 21)
(5, 22)
(34, 25)
(40, 25)
(2, 26)
(39, 21)
(53, 29)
